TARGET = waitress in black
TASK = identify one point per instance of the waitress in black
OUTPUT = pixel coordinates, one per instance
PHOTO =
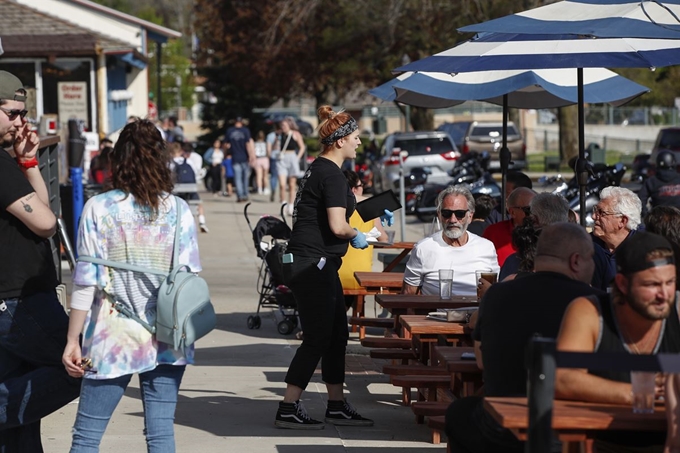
(321, 233)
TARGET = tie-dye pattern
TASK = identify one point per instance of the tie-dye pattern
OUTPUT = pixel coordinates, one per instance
(113, 227)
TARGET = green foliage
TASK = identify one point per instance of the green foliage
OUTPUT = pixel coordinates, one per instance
(177, 79)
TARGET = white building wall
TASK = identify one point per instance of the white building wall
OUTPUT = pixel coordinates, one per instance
(137, 82)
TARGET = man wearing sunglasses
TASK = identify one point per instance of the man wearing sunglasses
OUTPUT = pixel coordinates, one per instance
(33, 324)
(501, 233)
(452, 248)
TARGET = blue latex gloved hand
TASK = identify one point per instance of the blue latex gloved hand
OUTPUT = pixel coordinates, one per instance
(359, 241)
(387, 219)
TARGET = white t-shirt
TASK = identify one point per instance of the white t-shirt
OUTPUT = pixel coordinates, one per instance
(433, 253)
(217, 157)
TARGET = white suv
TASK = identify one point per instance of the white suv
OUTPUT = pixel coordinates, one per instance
(433, 151)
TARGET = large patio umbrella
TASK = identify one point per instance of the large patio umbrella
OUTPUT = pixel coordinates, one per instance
(598, 18)
(495, 51)
(535, 89)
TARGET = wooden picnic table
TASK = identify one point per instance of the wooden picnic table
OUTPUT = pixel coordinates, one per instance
(417, 304)
(380, 282)
(466, 376)
(405, 246)
(426, 333)
(574, 421)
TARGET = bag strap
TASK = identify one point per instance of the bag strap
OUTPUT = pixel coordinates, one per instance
(178, 223)
(285, 145)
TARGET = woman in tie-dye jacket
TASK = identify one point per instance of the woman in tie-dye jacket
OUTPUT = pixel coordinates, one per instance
(133, 222)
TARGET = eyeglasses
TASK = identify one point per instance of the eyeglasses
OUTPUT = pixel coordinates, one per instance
(13, 113)
(599, 212)
(359, 185)
(459, 213)
(525, 209)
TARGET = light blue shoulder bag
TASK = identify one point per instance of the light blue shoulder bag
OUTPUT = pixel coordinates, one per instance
(184, 312)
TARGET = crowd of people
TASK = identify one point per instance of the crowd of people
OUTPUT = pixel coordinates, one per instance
(610, 290)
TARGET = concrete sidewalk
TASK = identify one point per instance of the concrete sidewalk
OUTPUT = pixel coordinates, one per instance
(228, 400)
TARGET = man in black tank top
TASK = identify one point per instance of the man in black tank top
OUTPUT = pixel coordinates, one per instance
(639, 317)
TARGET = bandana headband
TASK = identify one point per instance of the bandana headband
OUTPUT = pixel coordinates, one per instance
(343, 131)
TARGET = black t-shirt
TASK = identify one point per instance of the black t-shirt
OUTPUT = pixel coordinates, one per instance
(510, 314)
(26, 264)
(323, 186)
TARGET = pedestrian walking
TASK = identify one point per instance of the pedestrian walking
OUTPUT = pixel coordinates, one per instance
(133, 222)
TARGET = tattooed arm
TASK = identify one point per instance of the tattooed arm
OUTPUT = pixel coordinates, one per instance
(35, 214)
(32, 209)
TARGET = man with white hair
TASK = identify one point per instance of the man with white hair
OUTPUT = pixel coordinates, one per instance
(452, 248)
(617, 217)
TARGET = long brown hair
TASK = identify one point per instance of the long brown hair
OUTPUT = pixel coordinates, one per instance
(140, 164)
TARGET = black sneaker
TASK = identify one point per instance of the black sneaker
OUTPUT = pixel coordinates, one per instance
(294, 416)
(342, 413)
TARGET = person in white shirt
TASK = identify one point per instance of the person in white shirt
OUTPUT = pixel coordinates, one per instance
(451, 248)
(184, 152)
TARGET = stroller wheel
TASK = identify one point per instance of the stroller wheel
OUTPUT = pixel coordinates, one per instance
(285, 327)
(254, 322)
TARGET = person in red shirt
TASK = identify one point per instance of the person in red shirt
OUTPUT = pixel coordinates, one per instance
(501, 233)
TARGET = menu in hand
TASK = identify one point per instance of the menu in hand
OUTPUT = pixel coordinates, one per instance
(375, 206)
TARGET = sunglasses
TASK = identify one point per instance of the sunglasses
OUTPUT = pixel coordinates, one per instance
(13, 113)
(459, 213)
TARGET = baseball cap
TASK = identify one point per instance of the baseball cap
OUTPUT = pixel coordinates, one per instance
(631, 256)
(9, 85)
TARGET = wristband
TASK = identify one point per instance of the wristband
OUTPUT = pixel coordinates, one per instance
(29, 163)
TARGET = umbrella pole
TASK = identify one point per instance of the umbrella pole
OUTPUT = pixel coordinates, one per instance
(504, 156)
(581, 163)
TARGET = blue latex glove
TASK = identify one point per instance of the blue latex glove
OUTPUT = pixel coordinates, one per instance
(359, 241)
(387, 219)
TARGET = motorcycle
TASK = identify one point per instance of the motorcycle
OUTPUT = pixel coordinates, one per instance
(600, 176)
(471, 170)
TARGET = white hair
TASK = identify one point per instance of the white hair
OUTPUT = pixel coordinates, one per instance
(456, 190)
(626, 202)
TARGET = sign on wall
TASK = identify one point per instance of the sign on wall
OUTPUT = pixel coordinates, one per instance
(72, 101)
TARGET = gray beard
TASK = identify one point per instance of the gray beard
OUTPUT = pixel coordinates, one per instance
(455, 233)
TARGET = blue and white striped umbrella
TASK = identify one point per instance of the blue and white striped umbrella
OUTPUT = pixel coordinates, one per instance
(526, 89)
(600, 18)
(503, 51)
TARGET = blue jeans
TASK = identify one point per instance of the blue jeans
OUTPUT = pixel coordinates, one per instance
(99, 398)
(33, 381)
(241, 177)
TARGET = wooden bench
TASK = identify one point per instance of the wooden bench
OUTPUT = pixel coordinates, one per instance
(438, 425)
(385, 323)
(429, 383)
(423, 409)
(380, 342)
(404, 355)
(415, 370)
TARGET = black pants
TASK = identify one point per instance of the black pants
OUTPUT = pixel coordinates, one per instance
(216, 178)
(321, 305)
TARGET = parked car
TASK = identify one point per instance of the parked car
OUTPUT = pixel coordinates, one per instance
(272, 118)
(488, 136)
(457, 130)
(668, 139)
(433, 151)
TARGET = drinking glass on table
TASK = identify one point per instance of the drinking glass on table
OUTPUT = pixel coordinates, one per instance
(487, 274)
(644, 384)
(445, 283)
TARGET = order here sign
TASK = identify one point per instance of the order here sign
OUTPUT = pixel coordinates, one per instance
(72, 101)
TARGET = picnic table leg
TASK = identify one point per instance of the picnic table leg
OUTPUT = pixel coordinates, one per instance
(396, 260)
